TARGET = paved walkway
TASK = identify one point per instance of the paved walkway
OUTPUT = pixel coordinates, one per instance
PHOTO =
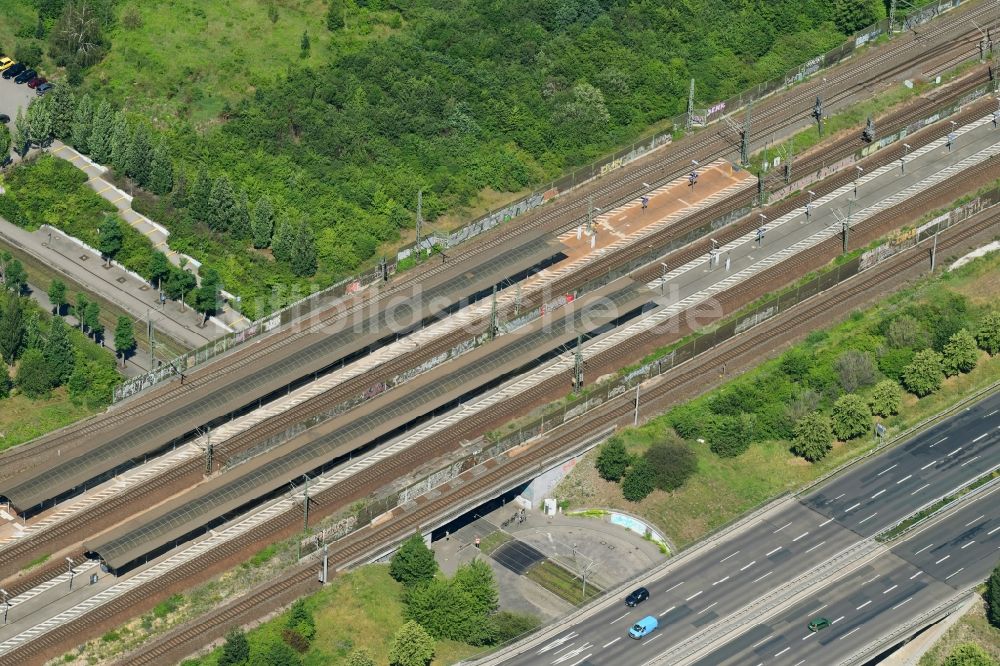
(114, 284)
(156, 233)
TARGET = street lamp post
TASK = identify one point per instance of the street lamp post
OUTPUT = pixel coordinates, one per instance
(663, 283)
(6, 604)
(635, 421)
(902, 160)
(69, 563)
(857, 174)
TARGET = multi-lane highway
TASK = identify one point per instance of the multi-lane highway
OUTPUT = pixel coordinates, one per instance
(702, 598)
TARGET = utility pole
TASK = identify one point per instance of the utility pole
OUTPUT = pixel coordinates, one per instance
(590, 214)
(937, 228)
(745, 137)
(635, 421)
(493, 314)
(69, 562)
(892, 16)
(152, 341)
(690, 111)
(305, 505)
(209, 452)
(788, 161)
(420, 216)
(817, 113)
(6, 604)
(578, 365)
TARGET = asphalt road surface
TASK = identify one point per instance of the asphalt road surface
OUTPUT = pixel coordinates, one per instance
(782, 545)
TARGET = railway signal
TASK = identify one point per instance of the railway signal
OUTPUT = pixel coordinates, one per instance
(69, 562)
(817, 113)
(760, 235)
(868, 134)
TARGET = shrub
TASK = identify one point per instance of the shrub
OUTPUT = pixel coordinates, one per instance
(813, 437)
(960, 354)
(613, 459)
(993, 598)
(969, 654)
(295, 640)
(361, 657)
(988, 333)
(906, 332)
(892, 362)
(730, 437)
(300, 620)
(672, 464)
(413, 563)
(505, 626)
(796, 363)
(690, 420)
(886, 398)
(855, 370)
(411, 646)
(924, 374)
(236, 650)
(851, 417)
(639, 481)
(34, 375)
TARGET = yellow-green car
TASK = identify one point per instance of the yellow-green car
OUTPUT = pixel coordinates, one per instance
(5, 63)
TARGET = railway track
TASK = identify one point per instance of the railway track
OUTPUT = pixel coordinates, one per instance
(100, 515)
(326, 501)
(768, 116)
(618, 410)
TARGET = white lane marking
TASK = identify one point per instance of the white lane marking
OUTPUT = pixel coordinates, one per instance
(887, 469)
(838, 496)
(967, 545)
(781, 528)
(933, 462)
(616, 619)
(649, 640)
(666, 611)
(675, 586)
(905, 478)
(926, 485)
(727, 557)
(756, 580)
(868, 518)
(915, 575)
(693, 595)
(783, 651)
(993, 412)
(559, 641)
(816, 546)
(808, 636)
(901, 603)
(992, 531)
(849, 633)
(853, 507)
(878, 493)
(873, 578)
(954, 573)
(937, 442)
(975, 520)
(721, 580)
(800, 536)
(826, 522)
(953, 452)
(572, 652)
(577, 663)
(773, 551)
(761, 641)
(612, 642)
(980, 437)
(942, 559)
(970, 460)
(707, 607)
(890, 589)
(923, 549)
(800, 662)
(837, 620)
(744, 568)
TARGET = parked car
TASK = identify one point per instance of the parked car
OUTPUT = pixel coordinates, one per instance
(44, 88)
(637, 597)
(819, 624)
(37, 81)
(4, 118)
(5, 63)
(14, 70)
(25, 76)
(643, 627)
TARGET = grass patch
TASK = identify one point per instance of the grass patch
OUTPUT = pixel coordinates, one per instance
(38, 561)
(562, 583)
(494, 540)
(970, 628)
(23, 419)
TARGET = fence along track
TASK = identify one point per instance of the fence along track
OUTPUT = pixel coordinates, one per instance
(775, 109)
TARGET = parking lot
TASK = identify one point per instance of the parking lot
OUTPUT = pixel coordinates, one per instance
(13, 97)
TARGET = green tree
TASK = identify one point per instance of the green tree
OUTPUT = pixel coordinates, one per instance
(855, 370)
(21, 136)
(960, 354)
(240, 224)
(335, 15)
(796, 363)
(274, 652)
(506, 626)
(77, 37)
(138, 155)
(80, 309)
(262, 223)
(813, 437)
(58, 352)
(29, 52)
(304, 45)
(993, 597)
(92, 383)
(121, 139)
(178, 284)
(731, 437)
(40, 121)
(446, 612)
(62, 107)
(236, 649)
(159, 269)
(83, 124)
(161, 170)
(92, 317)
(300, 619)
(583, 114)
(15, 279)
(303, 257)
(57, 296)
(222, 205)
(201, 198)
(124, 337)
(33, 338)
(886, 398)
(206, 296)
(477, 581)
(361, 657)
(5, 143)
(6, 383)
(672, 464)
(639, 481)
(851, 417)
(851, 16)
(281, 243)
(969, 654)
(613, 459)
(413, 563)
(988, 333)
(110, 238)
(924, 374)
(411, 646)
(34, 378)
(99, 140)
(12, 323)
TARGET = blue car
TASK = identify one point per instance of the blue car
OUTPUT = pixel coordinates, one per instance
(643, 627)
